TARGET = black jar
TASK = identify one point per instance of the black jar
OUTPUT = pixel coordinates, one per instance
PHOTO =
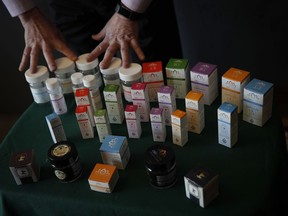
(160, 164)
(63, 157)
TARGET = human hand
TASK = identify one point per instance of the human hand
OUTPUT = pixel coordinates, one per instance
(41, 35)
(119, 33)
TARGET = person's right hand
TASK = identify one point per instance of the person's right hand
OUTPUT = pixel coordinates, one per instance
(41, 36)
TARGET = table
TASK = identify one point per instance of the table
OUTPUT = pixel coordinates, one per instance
(253, 174)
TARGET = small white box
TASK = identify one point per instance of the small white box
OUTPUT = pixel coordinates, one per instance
(139, 94)
(102, 124)
(158, 124)
(84, 122)
(55, 127)
(133, 121)
(179, 127)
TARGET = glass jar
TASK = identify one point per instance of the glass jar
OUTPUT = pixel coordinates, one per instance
(111, 74)
(37, 84)
(128, 76)
(65, 68)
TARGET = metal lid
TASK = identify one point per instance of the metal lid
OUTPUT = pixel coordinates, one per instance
(41, 74)
(82, 63)
(134, 72)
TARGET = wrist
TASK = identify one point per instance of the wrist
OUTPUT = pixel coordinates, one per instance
(128, 13)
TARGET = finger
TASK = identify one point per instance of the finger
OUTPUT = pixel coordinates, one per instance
(48, 55)
(136, 47)
(34, 58)
(101, 48)
(25, 58)
(125, 53)
(110, 52)
(65, 50)
(99, 36)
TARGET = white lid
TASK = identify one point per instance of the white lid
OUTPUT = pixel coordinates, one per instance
(82, 63)
(77, 78)
(64, 65)
(113, 68)
(41, 75)
(134, 72)
(89, 80)
(52, 83)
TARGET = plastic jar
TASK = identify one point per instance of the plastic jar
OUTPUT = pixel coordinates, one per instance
(90, 82)
(56, 96)
(63, 157)
(160, 166)
(65, 68)
(37, 84)
(77, 81)
(89, 68)
(111, 74)
(128, 76)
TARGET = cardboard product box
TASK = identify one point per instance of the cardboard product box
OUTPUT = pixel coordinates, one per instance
(115, 151)
(24, 167)
(178, 76)
(201, 186)
(133, 121)
(227, 124)
(179, 127)
(204, 79)
(103, 178)
(102, 124)
(153, 77)
(233, 82)
(55, 127)
(83, 119)
(158, 124)
(194, 103)
(258, 102)
(139, 94)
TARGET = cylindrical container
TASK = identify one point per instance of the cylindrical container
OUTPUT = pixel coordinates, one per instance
(160, 166)
(77, 81)
(63, 157)
(89, 68)
(128, 76)
(111, 74)
(90, 82)
(65, 68)
(56, 96)
(37, 84)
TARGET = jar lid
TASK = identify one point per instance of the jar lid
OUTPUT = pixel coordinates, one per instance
(41, 74)
(64, 65)
(82, 63)
(77, 78)
(159, 158)
(113, 68)
(52, 83)
(134, 72)
(89, 81)
(62, 154)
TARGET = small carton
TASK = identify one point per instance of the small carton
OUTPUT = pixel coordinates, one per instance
(103, 178)
(258, 102)
(133, 121)
(204, 79)
(227, 124)
(179, 127)
(83, 119)
(178, 76)
(233, 82)
(82, 98)
(114, 103)
(24, 167)
(115, 151)
(158, 124)
(55, 127)
(153, 77)
(201, 185)
(139, 94)
(194, 103)
(102, 124)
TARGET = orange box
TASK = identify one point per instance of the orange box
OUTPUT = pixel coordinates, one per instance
(103, 178)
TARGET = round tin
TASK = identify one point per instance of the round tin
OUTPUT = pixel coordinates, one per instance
(63, 157)
(160, 166)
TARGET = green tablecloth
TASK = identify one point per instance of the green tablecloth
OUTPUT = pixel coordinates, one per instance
(252, 173)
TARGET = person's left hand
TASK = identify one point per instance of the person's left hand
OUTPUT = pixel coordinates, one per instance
(121, 34)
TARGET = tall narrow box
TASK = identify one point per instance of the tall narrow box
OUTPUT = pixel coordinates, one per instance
(114, 103)
(133, 121)
(194, 103)
(153, 77)
(102, 124)
(227, 124)
(258, 102)
(158, 124)
(178, 76)
(140, 98)
(233, 82)
(84, 122)
(115, 151)
(204, 79)
(167, 101)
(179, 127)
(55, 127)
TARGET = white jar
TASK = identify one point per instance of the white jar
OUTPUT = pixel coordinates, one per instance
(111, 74)
(37, 84)
(77, 81)
(65, 68)
(89, 82)
(89, 68)
(56, 96)
(128, 76)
